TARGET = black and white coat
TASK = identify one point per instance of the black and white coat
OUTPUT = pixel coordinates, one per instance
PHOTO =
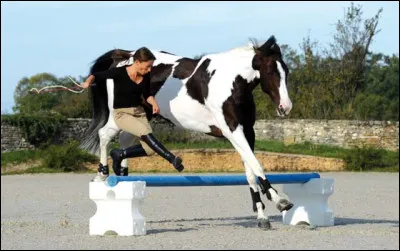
(212, 95)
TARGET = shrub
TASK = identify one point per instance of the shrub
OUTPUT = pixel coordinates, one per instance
(367, 158)
(17, 157)
(68, 157)
(38, 129)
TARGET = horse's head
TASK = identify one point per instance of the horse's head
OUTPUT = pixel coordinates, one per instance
(273, 75)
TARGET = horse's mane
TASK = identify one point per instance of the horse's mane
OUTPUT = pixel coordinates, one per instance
(254, 46)
(270, 47)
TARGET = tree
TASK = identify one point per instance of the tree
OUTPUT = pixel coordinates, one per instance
(66, 103)
(30, 103)
(73, 105)
(351, 46)
(379, 100)
(325, 86)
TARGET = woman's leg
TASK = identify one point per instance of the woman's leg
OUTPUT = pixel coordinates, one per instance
(159, 148)
(118, 155)
(128, 121)
(134, 121)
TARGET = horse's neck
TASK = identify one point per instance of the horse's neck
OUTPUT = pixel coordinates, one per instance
(239, 61)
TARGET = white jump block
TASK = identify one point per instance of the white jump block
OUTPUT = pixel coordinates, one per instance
(117, 208)
(310, 203)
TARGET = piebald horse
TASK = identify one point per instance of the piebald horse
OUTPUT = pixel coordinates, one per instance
(212, 94)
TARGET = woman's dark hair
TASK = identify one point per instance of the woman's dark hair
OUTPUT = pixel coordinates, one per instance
(143, 54)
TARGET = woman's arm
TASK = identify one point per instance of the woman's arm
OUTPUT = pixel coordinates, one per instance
(110, 73)
(148, 96)
(88, 82)
(153, 102)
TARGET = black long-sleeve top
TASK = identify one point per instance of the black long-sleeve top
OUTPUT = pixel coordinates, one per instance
(127, 93)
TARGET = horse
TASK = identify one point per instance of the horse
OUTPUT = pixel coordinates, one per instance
(211, 94)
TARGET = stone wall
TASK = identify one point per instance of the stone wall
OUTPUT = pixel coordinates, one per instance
(342, 133)
(12, 139)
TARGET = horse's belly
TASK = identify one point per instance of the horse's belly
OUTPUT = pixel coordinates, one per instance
(181, 109)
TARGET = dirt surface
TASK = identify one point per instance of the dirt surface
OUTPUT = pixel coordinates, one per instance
(19, 167)
(52, 211)
(219, 160)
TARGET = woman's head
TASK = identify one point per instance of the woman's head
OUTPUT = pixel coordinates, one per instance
(143, 60)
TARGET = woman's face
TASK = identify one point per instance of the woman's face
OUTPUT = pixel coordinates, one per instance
(144, 67)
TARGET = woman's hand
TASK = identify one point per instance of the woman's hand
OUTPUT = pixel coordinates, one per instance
(156, 109)
(88, 82)
(153, 102)
(85, 85)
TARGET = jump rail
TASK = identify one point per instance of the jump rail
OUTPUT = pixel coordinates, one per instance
(212, 180)
(307, 191)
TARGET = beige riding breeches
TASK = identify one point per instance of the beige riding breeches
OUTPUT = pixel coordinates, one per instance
(134, 121)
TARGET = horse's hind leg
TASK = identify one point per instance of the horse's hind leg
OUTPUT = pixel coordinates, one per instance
(106, 133)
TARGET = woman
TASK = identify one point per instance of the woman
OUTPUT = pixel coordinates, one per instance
(130, 83)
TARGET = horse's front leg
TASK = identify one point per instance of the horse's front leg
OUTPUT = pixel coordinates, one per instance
(240, 144)
(233, 131)
(258, 205)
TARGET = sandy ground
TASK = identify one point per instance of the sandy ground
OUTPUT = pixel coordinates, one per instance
(52, 211)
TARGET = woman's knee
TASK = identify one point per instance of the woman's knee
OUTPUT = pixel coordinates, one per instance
(147, 149)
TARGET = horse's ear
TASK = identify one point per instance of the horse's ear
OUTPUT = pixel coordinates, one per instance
(256, 63)
(270, 47)
(275, 48)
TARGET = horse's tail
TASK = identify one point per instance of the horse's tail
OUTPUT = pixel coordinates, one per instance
(99, 97)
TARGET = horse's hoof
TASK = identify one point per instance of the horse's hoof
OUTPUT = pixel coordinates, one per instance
(284, 205)
(263, 223)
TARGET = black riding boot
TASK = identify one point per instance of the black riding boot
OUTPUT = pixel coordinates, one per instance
(162, 151)
(118, 155)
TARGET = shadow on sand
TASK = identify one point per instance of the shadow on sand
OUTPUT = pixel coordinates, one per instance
(249, 222)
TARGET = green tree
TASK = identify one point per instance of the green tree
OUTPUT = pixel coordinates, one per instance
(352, 40)
(379, 99)
(25, 102)
(73, 105)
(63, 102)
(324, 85)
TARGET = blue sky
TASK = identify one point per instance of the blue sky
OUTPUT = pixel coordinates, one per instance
(63, 38)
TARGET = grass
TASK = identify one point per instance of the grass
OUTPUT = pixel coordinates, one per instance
(306, 148)
(34, 170)
(219, 144)
(55, 158)
(19, 157)
(357, 159)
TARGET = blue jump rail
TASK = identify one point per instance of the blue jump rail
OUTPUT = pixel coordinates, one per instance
(210, 180)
